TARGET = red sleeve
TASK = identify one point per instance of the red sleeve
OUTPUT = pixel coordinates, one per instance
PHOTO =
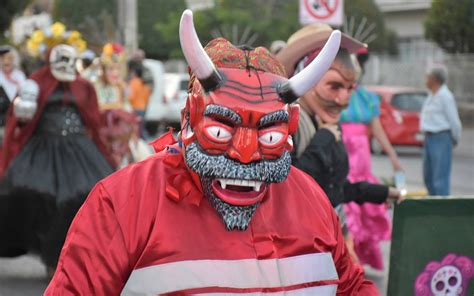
(351, 275)
(94, 259)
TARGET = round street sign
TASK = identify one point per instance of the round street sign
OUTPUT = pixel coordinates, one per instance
(321, 9)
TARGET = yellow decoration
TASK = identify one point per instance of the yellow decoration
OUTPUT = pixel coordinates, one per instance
(108, 49)
(37, 36)
(73, 36)
(40, 41)
(81, 45)
(32, 47)
(58, 29)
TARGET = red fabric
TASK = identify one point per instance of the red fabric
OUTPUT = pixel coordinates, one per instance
(17, 134)
(131, 221)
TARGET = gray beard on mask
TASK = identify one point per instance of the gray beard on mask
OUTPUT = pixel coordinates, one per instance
(234, 217)
(210, 167)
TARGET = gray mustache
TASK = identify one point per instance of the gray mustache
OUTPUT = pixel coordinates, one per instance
(219, 166)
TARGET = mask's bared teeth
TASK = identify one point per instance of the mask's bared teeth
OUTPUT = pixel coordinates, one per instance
(223, 183)
(257, 186)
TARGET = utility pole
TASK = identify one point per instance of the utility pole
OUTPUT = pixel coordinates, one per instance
(127, 24)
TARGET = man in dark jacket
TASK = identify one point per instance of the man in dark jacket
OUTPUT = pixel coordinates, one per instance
(319, 150)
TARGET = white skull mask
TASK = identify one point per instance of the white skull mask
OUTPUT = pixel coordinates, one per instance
(63, 62)
(447, 281)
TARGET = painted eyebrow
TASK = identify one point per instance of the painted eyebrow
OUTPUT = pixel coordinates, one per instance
(223, 112)
(341, 85)
(274, 117)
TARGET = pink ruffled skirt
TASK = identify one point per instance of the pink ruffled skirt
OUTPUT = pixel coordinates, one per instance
(368, 223)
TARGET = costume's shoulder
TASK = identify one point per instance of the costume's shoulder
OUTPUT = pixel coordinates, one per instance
(137, 181)
(145, 168)
(308, 186)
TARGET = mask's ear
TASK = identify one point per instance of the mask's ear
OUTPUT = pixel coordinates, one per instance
(294, 111)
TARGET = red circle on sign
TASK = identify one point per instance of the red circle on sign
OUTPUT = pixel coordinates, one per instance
(330, 10)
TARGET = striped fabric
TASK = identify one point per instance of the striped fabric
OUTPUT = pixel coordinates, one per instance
(293, 273)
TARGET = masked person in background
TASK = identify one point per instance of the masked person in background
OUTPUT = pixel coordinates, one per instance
(219, 211)
(52, 157)
(122, 125)
(319, 150)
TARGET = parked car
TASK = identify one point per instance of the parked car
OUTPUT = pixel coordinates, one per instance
(399, 115)
(167, 99)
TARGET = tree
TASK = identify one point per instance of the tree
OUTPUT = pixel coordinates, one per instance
(257, 22)
(451, 25)
(9, 9)
(96, 20)
(157, 43)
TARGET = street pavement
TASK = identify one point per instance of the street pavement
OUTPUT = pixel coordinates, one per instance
(26, 276)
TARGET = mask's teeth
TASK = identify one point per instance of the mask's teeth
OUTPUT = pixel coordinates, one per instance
(223, 183)
(257, 185)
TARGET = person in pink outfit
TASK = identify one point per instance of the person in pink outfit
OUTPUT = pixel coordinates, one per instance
(368, 223)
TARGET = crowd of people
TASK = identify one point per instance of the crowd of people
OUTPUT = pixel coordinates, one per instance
(269, 176)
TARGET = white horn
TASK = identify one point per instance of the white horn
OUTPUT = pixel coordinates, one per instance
(299, 84)
(194, 53)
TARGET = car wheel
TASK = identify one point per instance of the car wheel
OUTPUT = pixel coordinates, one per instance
(375, 147)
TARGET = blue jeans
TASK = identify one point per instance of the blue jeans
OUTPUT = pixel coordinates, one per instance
(437, 156)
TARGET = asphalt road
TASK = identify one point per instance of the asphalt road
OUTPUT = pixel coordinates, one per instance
(26, 275)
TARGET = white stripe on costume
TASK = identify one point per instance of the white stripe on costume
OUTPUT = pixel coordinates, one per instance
(240, 274)
(311, 291)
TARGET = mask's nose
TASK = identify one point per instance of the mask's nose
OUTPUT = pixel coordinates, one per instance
(245, 146)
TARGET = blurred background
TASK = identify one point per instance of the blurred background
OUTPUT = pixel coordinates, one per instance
(405, 37)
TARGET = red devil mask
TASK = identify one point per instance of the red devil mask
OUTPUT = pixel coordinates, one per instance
(238, 121)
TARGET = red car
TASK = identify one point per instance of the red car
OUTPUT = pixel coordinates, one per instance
(400, 115)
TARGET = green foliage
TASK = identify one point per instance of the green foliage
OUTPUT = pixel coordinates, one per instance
(258, 21)
(356, 10)
(96, 20)
(72, 12)
(8, 10)
(159, 44)
(451, 25)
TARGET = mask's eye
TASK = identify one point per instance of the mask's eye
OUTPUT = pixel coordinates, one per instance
(218, 133)
(270, 138)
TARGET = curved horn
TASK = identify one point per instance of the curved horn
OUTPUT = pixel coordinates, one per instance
(299, 84)
(195, 55)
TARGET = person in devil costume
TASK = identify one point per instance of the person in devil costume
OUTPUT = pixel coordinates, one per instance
(52, 156)
(221, 210)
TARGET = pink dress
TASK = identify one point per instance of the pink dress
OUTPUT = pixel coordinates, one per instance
(368, 223)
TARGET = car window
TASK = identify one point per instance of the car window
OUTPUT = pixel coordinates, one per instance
(408, 101)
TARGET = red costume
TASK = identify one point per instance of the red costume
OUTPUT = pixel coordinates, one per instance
(155, 227)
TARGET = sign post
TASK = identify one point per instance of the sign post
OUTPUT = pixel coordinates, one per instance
(322, 11)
